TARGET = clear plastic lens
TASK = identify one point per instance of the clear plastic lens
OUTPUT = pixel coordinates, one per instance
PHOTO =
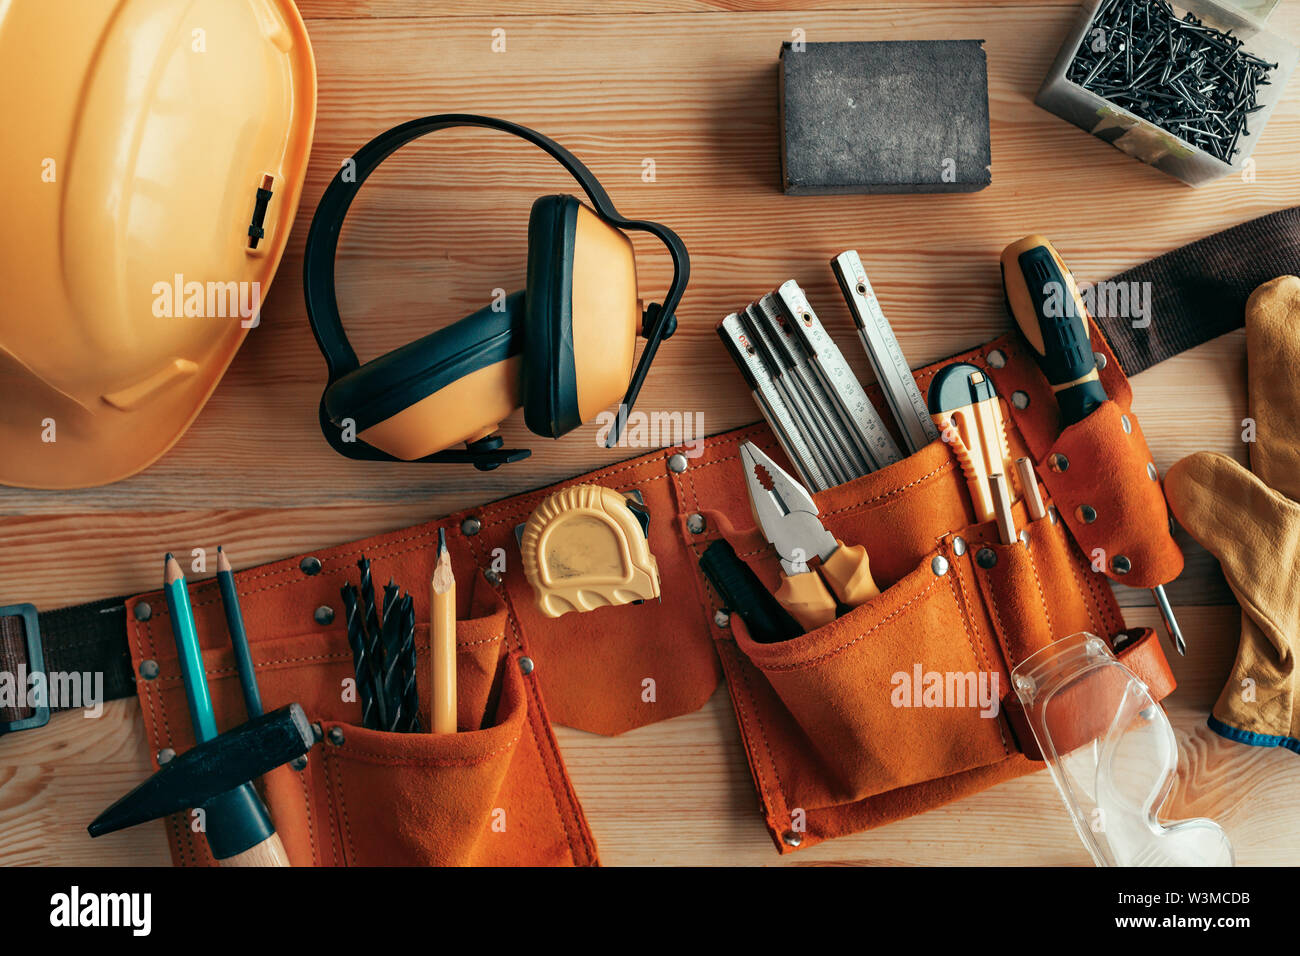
(1113, 754)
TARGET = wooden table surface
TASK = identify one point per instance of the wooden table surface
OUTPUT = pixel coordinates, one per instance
(690, 84)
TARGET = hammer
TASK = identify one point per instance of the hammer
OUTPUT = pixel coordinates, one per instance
(215, 776)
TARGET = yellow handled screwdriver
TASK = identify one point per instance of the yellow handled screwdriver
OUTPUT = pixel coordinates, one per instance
(1045, 302)
(1044, 299)
(787, 516)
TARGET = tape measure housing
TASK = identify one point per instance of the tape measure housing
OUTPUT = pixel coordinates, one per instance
(585, 547)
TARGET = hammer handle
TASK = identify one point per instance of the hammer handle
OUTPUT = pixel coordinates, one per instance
(270, 852)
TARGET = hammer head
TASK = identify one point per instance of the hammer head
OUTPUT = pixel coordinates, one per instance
(211, 769)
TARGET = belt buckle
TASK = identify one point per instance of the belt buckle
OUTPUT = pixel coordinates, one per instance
(35, 665)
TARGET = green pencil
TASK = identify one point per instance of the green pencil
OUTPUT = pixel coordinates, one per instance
(187, 646)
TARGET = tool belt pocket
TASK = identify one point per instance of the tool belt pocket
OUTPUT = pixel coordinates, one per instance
(1099, 470)
(430, 799)
(1028, 608)
(1075, 597)
(905, 701)
(491, 794)
(888, 694)
(1105, 483)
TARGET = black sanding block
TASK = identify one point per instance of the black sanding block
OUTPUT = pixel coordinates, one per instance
(884, 117)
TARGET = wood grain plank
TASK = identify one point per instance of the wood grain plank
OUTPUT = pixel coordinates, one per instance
(365, 9)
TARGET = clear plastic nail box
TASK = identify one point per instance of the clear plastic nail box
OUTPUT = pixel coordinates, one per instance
(1150, 143)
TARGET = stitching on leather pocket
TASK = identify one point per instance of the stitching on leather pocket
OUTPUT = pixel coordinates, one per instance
(429, 799)
(887, 695)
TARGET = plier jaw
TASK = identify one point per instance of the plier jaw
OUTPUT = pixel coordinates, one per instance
(785, 512)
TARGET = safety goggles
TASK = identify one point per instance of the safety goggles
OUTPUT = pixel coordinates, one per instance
(1113, 755)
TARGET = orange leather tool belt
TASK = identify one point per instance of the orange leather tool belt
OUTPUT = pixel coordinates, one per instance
(843, 726)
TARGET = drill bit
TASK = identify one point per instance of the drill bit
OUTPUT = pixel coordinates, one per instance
(360, 656)
(410, 691)
(391, 682)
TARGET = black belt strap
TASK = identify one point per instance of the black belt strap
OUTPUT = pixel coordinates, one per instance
(1199, 292)
(89, 638)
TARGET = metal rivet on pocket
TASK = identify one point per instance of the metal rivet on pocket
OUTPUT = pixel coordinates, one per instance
(1020, 399)
(721, 618)
(318, 732)
(324, 614)
(471, 526)
(959, 546)
(997, 358)
(695, 524)
(1100, 359)
(939, 565)
(142, 611)
(149, 669)
(986, 558)
(1058, 462)
(526, 665)
(677, 463)
(299, 763)
(1151, 471)
(166, 755)
(790, 838)
(336, 736)
(1121, 565)
(1125, 424)
(1086, 513)
(309, 565)
(493, 576)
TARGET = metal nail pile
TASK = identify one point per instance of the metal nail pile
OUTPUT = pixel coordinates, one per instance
(382, 638)
(1179, 74)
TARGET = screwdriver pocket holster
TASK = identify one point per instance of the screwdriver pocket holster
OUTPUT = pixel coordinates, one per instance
(1100, 470)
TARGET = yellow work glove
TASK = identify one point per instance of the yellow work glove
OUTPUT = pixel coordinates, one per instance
(1250, 521)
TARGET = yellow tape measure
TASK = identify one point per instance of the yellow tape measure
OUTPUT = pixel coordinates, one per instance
(585, 547)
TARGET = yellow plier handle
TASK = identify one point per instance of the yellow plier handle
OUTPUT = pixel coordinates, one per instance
(806, 598)
(812, 604)
(848, 572)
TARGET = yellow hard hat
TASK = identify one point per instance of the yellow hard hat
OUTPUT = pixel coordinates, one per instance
(152, 155)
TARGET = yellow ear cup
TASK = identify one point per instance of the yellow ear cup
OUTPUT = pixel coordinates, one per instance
(466, 410)
(454, 385)
(582, 315)
(605, 313)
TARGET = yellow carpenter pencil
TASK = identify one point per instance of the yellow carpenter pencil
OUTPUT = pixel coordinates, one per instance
(442, 642)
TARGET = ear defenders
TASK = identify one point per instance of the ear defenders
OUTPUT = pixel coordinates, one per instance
(563, 348)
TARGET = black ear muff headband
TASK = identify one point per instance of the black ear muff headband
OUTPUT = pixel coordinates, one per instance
(658, 321)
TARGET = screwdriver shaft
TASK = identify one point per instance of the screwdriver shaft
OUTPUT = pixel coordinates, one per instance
(1171, 622)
